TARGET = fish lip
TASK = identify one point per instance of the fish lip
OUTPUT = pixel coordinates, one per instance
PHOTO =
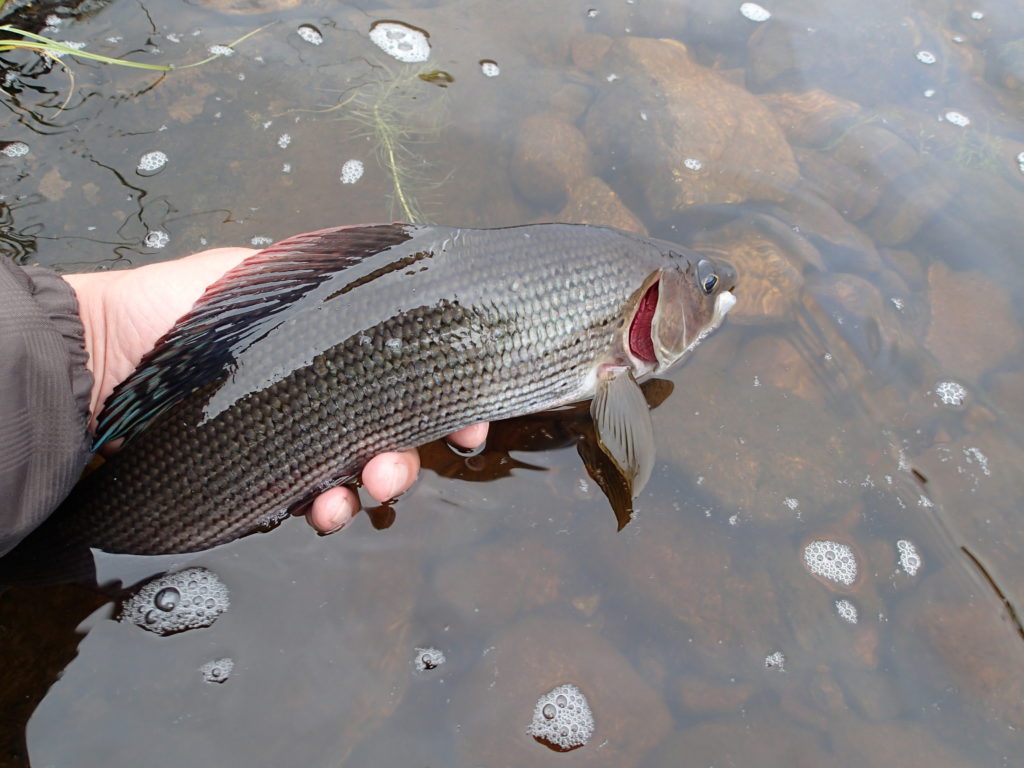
(725, 301)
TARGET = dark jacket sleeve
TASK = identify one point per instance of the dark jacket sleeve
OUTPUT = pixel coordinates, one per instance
(44, 397)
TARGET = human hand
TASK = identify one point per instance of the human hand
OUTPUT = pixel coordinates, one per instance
(126, 312)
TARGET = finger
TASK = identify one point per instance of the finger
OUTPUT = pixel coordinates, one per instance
(470, 437)
(390, 474)
(332, 510)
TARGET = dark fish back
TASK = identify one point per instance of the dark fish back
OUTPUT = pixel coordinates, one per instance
(438, 331)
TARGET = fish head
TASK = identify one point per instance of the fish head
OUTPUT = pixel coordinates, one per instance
(678, 306)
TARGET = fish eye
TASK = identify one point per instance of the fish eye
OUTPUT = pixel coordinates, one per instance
(710, 282)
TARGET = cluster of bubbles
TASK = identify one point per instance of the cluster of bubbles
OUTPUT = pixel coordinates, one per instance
(910, 560)
(427, 659)
(926, 57)
(562, 719)
(352, 171)
(693, 164)
(310, 34)
(218, 670)
(950, 393)
(832, 561)
(973, 455)
(15, 149)
(258, 241)
(958, 119)
(1020, 161)
(221, 50)
(775, 660)
(188, 599)
(847, 611)
(157, 239)
(401, 41)
(489, 68)
(284, 140)
(755, 12)
(151, 163)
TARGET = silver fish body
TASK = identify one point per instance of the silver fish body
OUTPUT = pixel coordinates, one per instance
(328, 348)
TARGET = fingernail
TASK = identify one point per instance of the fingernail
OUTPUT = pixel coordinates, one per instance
(338, 517)
(400, 479)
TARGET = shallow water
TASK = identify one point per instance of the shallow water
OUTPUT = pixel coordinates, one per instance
(865, 391)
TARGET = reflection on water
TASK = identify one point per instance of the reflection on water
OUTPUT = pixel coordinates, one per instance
(826, 566)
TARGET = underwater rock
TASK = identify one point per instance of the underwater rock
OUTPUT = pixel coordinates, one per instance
(550, 156)
(592, 201)
(812, 118)
(969, 338)
(683, 134)
(492, 584)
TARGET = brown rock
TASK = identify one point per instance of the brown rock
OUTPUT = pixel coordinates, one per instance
(895, 745)
(706, 697)
(769, 740)
(588, 50)
(550, 156)
(591, 201)
(494, 704)
(781, 365)
(972, 326)
(812, 118)
(750, 464)
(492, 584)
(684, 134)
(684, 578)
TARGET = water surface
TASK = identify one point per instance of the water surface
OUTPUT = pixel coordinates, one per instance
(864, 168)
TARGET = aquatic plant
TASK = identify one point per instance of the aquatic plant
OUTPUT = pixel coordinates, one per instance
(396, 111)
(54, 49)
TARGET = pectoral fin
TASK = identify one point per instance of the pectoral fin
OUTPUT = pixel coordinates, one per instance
(624, 430)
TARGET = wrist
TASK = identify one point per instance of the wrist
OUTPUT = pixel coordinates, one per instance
(90, 291)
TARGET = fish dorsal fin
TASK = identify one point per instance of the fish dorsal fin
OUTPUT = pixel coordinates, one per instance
(237, 308)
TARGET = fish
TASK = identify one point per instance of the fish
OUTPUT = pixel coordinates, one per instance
(330, 347)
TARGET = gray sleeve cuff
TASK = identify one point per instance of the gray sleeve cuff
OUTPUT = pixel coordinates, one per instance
(45, 408)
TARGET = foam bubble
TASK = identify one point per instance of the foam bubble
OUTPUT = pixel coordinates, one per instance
(310, 34)
(174, 602)
(910, 560)
(755, 12)
(957, 118)
(15, 149)
(562, 719)
(151, 163)
(832, 561)
(693, 164)
(925, 57)
(847, 611)
(951, 393)
(352, 171)
(1020, 161)
(218, 670)
(401, 41)
(157, 239)
(489, 68)
(426, 659)
(775, 660)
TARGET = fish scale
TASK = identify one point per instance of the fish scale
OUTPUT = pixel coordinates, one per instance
(308, 362)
